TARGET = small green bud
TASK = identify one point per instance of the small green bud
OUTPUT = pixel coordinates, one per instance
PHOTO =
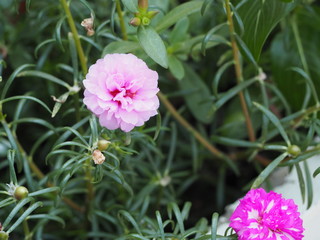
(4, 235)
(294, 150)
(135, 22)
(103, 144)
(20, 193)
(145, 21)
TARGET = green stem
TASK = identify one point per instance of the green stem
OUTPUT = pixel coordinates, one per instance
(90, 190)
(238, 71)
(122, 24)
(143, 5)
(76, 37)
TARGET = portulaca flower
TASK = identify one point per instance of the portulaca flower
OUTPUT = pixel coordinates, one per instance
(266, 216)
(121, 91)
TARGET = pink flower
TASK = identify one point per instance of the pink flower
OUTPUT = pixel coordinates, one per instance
(121, 90)
(266, 216)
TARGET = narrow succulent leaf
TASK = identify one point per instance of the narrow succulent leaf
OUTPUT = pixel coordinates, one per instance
(26, 213)
(15, 210)
(214, 226)
(268, 170)
(275, 121)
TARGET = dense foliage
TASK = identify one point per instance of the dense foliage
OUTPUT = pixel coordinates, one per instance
(239, 97)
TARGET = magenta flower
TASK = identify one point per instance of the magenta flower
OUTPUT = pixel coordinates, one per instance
(121, 90)
(266, 216)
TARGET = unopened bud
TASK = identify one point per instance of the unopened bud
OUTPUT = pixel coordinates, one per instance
(98, 157)
(20, 193)
(145, 21)
(135, 22)
(103, 144)
(294, 150)
(4, 235)
(88, 25)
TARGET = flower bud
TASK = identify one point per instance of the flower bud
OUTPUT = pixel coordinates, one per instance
(98, 157)
(20, 193)
(4, 235)
(103, 144)
(135, 22)
(145, 21)
(294, 150)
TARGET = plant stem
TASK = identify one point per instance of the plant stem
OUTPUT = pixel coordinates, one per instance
(238, 71)
(76, 37)
(121, 20)
(90, 190)
(188, 126)
(143, 5)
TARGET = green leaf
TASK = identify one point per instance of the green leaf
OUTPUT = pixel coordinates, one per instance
(210, 35)
(48, 217)
(214, 226)
(233, 92)
(259, 18)
(28, 98)
(44, 191)
(176, 67)
(120, 47)
(11, 78)
(199, 100)
(59, 101)
(43, 75)
(205, 5)
(129, 218)
(302, 184)
(177, 13)
(160, 224)
(13, 177)
(131, 5)
(308, 183)
(24, 216)
(275, 121)
(153, 45)
(316, 172)
(268, 170)
(15, 210)
(236, 142)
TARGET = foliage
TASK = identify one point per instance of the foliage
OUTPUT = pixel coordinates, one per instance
(239, 97)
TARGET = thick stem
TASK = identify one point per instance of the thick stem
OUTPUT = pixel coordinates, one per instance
(143, 5)
(76, 37)
(121, 20)
(238, 70)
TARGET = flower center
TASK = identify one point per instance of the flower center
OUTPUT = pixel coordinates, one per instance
(127, 93)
